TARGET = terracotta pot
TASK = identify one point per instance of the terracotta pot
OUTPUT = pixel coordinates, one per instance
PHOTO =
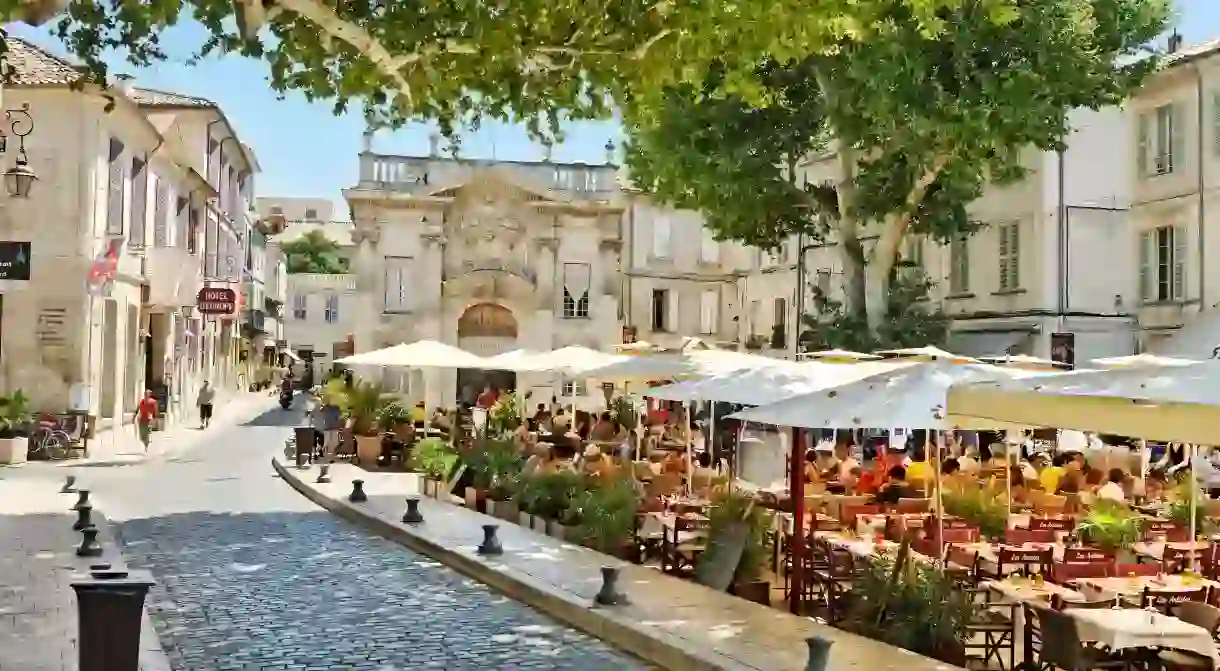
(476, 499)
(368, 449)
(505, 510)
(430, 488)
(554, 529)
(525, 519)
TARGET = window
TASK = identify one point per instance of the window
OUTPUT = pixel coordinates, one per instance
(779, 323)
(709, 251)
(299, 311)
(660, 310)
(1216, 123)
(709, 312)
(661, 237)
(822, 283)
(959, 265)
(912, 255)
(160, 205)
(398, 296)
(310, 214)
(139, 201)
(1163, 264)
(114, 189)
(574, 388)
(576, 290)
(1159, 149)
(1010, 256)
(332, 309)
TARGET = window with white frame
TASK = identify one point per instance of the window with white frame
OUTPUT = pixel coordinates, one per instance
(574, 388)
(660, 310)
(709, 249)
(779, 323)
(311, 214)
(398, 284)
(959, 265)
(912, 254)
(299, 310)
(661, 232)
(332, 309)
(1160, 149)
(1010, 256)
(709, 311)
(576, 280)
(1163, 264)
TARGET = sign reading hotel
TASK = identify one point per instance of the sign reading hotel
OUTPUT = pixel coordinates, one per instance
(15, 261)
(216, 301)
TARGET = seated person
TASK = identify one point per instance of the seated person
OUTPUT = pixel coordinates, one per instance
(1113, 489)
(896, 487)
(419, 414)
(605, 430)
(1020, 493)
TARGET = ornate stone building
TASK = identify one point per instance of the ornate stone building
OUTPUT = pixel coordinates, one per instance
(488, 256)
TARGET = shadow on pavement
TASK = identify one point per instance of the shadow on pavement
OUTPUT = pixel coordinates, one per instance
(277, 416)
(276, 590)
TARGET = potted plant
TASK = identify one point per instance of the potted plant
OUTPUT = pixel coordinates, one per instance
(505, 416)
(623, 413)
(395, 419)
(607, 516)
(435, 459)
(1179, 507)
(555, 494)
(493, 461)
(568, 526)
(1112, 527)
(755, 342)
(16, 424)
(366, 401)
(527, 499)
(980, 508)
(915, 606)
(731, 507)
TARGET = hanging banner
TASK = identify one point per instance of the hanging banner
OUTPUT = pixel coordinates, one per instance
(104, 268)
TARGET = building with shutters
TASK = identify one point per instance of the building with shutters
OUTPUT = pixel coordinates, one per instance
(161, 180)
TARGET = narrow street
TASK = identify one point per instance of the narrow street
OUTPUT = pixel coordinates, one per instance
(254, 576)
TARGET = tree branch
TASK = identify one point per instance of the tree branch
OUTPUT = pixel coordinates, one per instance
(886, 250)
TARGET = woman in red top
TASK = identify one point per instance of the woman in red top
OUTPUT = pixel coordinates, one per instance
(146, 412)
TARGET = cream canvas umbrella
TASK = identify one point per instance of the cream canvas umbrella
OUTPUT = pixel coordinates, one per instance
(927, 353)
(1140, 361)
(838, 356)
(419, 354)
(1023, 361)
(518, 361)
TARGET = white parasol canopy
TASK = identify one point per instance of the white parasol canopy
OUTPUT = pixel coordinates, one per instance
(911, 396)
(519, 361)
(574, 360)
(839, 355)
(676, 366)
(1023, 361)
(1198, 339)
(770, 384)
(1140, 360)
(419, 354)
(927, 352)
(1179, 402)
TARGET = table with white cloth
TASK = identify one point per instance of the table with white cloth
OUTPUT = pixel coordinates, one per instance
(1126, 628)
(1133, 587)
(1026, 591)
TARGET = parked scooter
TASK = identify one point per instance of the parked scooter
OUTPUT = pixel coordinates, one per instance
(286, 395)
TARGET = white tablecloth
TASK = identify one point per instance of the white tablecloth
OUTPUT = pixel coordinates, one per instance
(1134, 628)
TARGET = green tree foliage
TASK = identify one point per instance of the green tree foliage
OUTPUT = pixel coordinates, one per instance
(454, 60)
(912, 322)
(890, 135)
(313, 252)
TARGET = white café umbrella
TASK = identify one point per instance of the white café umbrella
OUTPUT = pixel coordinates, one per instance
(419, 354)
(1176, 403)
(1140, 361)
(770, 384)
(1023, 361)
(518, 361)
(926, 353)
(838, 355)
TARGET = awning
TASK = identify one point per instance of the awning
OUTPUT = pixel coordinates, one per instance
(987, 343)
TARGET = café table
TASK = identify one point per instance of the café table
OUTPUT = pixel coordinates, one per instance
(1037, 594)
(1128, 628)
(1156, 549)
(1134, 586)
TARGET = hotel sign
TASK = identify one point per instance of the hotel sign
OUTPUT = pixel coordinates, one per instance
(14, 261)
(216, 301)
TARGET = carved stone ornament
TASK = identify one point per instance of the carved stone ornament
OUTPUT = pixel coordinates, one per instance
(547, 243)
(431, 239)
(371, 233)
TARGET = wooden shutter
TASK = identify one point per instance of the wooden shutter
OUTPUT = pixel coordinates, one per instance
(211, 245)
(1177, 139)
(214, 163)
(1143, 131)
(139, 201)
(1146, 275)
(1180, 247)
(181, 226)
(1216, 123)
(674, 311)
(160, 212)
(114, 192)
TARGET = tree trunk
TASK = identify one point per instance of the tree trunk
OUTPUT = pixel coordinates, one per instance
(851, 253)
(876, 294)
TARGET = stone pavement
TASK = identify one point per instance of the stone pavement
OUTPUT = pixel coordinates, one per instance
(673, 623)
(252, 575)
(38, 616)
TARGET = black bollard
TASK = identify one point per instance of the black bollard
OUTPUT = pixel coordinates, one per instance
(82, 499)
(69, 484)
(412, 516)
(323, 474)
(84, 517)
(110, 605)
(491, 544)
(609, 595)
(88, 543)
(357, 495)
(819, 653)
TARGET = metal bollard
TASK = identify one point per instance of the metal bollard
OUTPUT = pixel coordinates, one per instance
(82, 499)
(84, 517)
(412, 516)
(110, 605)
(609, 595)
(88, 543)
(819, 653)
(323, 474)
(357, 495)
(69, 484)
(491, 544)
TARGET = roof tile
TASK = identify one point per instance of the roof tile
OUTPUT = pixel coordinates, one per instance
(34, 66)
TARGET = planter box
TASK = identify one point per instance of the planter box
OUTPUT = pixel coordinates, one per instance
(368, 450)
(504, 510)
(525, 520)
(758, 591)
(569, 533)
(554, 529)
(430, 488)
(539, 524)
(475, 499)
(14, 450)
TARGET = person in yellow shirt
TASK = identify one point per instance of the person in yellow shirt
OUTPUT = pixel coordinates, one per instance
(919, 472)
(1050, 476)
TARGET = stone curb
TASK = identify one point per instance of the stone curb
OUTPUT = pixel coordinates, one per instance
(669, 652)
(152, 652)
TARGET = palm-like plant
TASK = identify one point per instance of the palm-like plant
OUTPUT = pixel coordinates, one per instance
(365, 403)
(15, 418)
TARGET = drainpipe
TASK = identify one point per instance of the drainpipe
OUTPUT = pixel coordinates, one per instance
(628, 236)
(1199, 118)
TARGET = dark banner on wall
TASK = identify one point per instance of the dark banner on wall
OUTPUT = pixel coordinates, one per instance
(1063, 348)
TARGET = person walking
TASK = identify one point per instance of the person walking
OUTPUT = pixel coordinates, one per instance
(206, 395)
(146, 414)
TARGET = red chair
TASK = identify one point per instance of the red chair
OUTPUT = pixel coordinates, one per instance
(1063, 574)
(1028, 561)
(1086, 556)
(950, 522)
(1052, 524)
(962, 535)
(1155, 528)
(850, 513)
(1137, 570)
(1024, 536)
(1175, 560)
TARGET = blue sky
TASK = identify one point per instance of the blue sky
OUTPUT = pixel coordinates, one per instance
(305, 150)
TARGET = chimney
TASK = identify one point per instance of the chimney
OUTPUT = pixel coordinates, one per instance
(609, 152)
(124, 83)
(434, 145)
(366, 142)
(1175, 42)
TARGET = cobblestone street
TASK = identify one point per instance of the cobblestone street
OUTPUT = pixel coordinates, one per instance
(253, 576)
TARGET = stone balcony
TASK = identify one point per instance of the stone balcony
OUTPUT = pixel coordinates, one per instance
(421, 175)
(314, 282)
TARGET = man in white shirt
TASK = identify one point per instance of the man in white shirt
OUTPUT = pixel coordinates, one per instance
(1113, 490)
(847, 463)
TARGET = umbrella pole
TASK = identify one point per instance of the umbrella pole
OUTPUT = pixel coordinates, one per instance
(796, 492)
(940, 505)
(1192, 450)
(1008, 478)
(690, 462)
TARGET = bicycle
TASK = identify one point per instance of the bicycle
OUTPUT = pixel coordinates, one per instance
(50, 441)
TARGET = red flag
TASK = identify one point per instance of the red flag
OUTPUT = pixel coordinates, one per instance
(105, 265)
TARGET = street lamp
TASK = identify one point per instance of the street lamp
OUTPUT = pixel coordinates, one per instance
(19, 179)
